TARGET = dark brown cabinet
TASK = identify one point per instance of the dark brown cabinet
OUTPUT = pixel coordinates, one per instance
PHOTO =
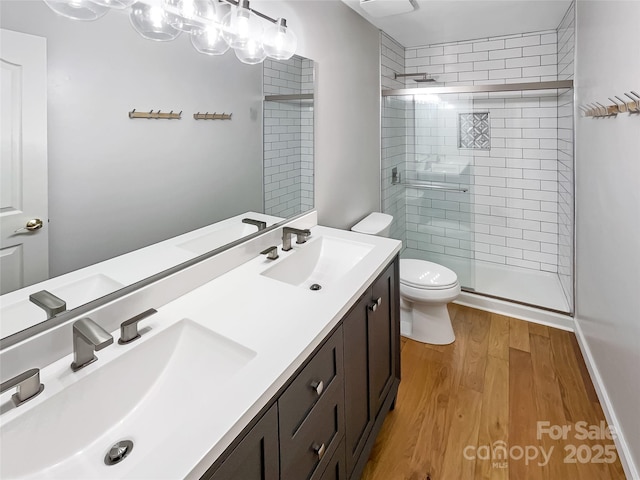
(372, 373)
(323, 424)
(256, 456)
(311, 414)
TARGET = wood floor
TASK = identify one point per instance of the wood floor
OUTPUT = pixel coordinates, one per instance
(469, 410)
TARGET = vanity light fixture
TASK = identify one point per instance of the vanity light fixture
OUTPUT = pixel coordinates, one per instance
(84, 10)
(152, 22)
(117, 4)
(214, 25)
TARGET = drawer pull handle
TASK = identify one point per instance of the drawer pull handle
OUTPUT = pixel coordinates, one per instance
(319, 450)
(318, 387)
(374, 306)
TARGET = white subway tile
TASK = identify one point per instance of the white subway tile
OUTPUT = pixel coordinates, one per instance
(462, 48)
(539, 50)
(473, 76)
(523, 62)
(506, 73)
(550, 217)
(488, 45)
(527, 41)
(490, 258)
(539, 71)
(473, 57)
(489, 65)
(508, 53)
(430, 51)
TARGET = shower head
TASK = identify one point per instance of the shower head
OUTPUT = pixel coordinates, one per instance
(423, 77)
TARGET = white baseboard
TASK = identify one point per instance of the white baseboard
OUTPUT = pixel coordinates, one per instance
(624, 452)
(515, 310)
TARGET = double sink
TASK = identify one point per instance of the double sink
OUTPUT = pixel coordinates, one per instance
(157, 390)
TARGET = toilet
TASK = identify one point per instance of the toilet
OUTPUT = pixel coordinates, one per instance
(425, 290)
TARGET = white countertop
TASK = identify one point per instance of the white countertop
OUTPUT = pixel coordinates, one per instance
(280, 324)
(89, 283)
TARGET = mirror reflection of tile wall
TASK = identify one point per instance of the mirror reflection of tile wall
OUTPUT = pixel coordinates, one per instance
(288, 138)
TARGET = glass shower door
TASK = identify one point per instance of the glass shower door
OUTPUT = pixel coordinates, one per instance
(428, 147)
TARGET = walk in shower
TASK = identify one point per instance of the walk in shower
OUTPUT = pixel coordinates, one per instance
(479, 179)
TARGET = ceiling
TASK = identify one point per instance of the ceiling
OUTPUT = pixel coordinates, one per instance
(440, 21)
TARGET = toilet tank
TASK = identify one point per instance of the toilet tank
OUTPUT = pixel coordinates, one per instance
(375, 223)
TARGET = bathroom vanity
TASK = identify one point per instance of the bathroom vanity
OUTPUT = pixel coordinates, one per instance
(249, 374)
(323, 423)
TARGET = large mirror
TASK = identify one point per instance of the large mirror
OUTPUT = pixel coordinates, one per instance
(112, 184)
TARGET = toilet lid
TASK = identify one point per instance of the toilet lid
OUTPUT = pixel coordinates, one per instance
(427, 275)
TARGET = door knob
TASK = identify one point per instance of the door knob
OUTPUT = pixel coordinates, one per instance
(32, 225)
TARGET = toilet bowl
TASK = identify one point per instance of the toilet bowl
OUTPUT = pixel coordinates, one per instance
(425, 290)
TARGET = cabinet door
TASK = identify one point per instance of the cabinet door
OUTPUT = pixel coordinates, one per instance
(381, 329)
(358, 419)
(256, 456)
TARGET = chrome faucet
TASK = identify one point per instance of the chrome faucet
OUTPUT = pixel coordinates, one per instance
(258, 223)
(302, 236)
(28, 384)
(88, 337)
(48, 302)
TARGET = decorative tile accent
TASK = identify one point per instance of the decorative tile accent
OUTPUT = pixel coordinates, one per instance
(473, 131)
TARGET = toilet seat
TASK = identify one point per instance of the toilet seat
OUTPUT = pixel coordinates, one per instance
(424, 275)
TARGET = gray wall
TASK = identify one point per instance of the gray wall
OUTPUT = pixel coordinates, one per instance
(608, 210)
(118, 184)
(347, 104)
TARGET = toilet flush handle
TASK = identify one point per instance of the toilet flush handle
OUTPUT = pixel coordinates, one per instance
(375, 304)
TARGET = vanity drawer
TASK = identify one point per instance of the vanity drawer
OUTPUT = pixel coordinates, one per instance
(306, 453)
(322, 374)
(336, 470)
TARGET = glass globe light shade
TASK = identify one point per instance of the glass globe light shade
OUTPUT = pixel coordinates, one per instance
(77, 9)
(189, 15)
(280, 42)
(252, 52)
(151, 22)
(209, 41)
(118, 4)
(240, 25)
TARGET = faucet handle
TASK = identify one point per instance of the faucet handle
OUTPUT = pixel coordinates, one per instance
(271, 252)
(129, 328)
(28, 384)
(48, 302)
(302, 235)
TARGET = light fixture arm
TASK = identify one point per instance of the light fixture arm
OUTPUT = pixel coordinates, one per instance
(236, 3)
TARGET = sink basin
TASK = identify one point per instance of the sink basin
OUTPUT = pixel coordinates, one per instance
(322, 260)
(221, 236)
(22, 314)
(148, 394)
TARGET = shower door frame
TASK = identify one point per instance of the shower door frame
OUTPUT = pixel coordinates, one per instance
(508, 87)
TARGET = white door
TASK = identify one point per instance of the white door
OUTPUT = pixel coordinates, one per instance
(24, 253)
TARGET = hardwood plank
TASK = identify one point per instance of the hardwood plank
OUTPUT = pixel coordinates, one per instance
(499, 336)
(548, 398)
(465, 422)
(494, 418)
(584, 372)
(522, 413)
(475, 358)
(519, 334)
(537, 329)
(575, 402)
(398, 437)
